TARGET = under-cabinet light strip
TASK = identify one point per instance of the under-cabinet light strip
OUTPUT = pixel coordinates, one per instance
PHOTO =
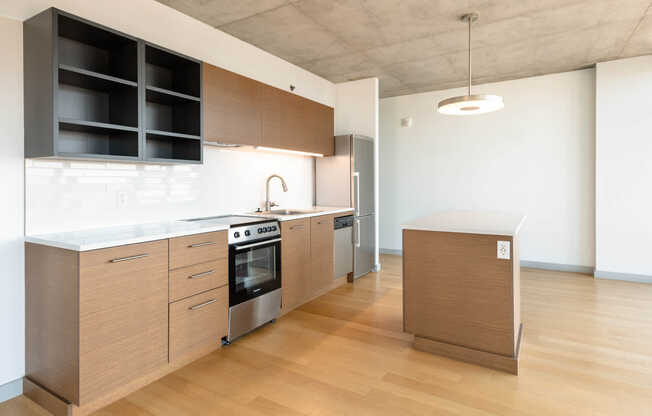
(294, 152)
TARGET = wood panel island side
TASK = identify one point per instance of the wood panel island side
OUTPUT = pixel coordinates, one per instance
(461, 286)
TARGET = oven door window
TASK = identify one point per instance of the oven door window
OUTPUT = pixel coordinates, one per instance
(253, 271)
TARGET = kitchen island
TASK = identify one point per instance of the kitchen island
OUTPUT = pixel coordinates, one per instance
(461, 290)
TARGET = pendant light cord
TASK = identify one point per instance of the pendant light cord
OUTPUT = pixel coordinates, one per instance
(470, 22)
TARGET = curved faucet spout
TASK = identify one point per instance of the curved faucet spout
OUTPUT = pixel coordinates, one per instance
(269, 204)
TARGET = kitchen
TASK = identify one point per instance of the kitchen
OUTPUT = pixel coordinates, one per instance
(287, 206)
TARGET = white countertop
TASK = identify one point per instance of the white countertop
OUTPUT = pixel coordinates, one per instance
(315, 212)
(97, 238)
(470, 222)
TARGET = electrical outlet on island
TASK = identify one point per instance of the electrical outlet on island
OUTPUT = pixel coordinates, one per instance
(503, 250)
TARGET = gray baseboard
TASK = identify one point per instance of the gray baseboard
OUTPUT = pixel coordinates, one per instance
(628, 277)
(11, 389)
(557, 267)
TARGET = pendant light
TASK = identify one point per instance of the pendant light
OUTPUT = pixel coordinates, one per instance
(470, 104)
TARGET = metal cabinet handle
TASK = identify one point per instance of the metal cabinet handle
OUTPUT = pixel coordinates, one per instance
(207, 243)
(357, 234)
(276, 240)
(297, 227)
(201, 305)
(139, 256)
(198, 275)
(356, 177)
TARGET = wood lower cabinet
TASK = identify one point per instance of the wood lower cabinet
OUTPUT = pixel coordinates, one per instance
(199, 293)
(321, 253)
(307, 260)
(99, 322)
(239, 110)
(96, 319)
(198, 322)
(295, 262)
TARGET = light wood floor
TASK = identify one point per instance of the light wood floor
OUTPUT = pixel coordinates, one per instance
(587, 351)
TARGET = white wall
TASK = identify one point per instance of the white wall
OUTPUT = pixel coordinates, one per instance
(624, 167)
(356, 112)
(12, 282)
(162, 25)
(69, 195)
(536, 156)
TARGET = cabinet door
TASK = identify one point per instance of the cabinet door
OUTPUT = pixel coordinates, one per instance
(123, 315)
(321, 254)
(232, 107)
(274, 102)
(198, 322)
(295, 262)
(321, 138)
(295, 123)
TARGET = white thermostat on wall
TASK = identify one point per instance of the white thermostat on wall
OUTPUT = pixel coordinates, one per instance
(406, 122)
(503, 250)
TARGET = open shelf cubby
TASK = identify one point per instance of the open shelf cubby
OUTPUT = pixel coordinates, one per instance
(88, 139)
(173, 73)
(166, 148)
(88, 47)
(97, 95)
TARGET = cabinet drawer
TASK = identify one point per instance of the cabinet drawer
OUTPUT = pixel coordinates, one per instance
(198, 321)
(188, 281)
(198, 248)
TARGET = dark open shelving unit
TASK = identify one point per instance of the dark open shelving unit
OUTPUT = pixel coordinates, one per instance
(172, 106)
(93, 92)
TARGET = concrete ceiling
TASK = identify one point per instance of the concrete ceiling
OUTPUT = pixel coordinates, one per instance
(420, 45)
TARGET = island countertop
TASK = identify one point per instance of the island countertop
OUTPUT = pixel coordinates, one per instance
(469, 222)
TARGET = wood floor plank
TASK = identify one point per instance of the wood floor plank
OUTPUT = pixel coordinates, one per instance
(586, 352)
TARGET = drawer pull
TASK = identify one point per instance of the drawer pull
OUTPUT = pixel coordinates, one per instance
(139, 256)
(297, 227)
(201, 305)
(198, 275)
(207, 243)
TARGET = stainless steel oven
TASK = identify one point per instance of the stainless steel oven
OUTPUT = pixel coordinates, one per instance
(254, 276)
(254, 269)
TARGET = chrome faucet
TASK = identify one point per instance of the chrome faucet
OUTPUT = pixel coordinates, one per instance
(269, 204)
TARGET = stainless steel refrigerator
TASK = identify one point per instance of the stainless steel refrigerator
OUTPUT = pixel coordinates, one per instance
(346, 179)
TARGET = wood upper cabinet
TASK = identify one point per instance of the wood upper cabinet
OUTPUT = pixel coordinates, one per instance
(239, 110)
(232, 107)
(295, 262)
(321, 253)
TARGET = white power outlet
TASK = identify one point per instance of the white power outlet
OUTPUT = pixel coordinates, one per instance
(503, 250)
(122, 199)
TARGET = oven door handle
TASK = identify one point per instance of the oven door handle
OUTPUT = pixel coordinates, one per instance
(257, 244)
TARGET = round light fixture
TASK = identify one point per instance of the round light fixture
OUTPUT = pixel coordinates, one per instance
(470, 104)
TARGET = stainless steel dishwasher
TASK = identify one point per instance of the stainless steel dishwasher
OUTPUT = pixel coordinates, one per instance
(343, 246)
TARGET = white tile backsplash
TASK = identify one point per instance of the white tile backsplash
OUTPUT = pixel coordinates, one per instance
(74, 195)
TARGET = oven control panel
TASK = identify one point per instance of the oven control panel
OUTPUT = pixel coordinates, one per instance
(243, 233)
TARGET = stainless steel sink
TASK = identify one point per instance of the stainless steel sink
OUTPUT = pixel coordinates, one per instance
(289, 212)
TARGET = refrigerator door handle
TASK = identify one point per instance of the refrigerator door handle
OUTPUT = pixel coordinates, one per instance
(357, 233)
(356, 178)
